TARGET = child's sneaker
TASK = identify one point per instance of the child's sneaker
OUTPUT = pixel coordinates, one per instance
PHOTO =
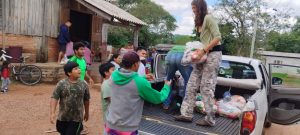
(62, 63)
(4, 91)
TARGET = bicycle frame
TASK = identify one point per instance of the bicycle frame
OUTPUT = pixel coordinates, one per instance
(16, 72)
(4, 56)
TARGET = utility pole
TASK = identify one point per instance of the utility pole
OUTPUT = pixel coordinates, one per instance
(254, 30)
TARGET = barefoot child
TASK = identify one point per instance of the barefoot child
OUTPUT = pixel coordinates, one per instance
(73, 97)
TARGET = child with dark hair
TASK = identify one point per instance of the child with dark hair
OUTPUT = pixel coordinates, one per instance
(88, 57)
(105, 71)
(116, 60)
(73, 97)
(5, 76)
(79, 48)
(128, 92)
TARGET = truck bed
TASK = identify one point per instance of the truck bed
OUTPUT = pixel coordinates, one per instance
(156, 121)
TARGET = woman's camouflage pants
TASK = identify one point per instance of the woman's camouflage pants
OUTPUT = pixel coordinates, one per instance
(203, 78)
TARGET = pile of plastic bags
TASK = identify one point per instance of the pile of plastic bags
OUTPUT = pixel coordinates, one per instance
(231, 108)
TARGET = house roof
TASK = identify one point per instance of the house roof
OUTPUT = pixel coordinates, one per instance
(111, 10)
(280, 54)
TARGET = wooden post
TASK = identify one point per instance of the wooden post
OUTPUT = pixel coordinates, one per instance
(43, 47)
(136, 37)
(104, 41)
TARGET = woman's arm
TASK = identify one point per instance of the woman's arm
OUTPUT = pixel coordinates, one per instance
(214, 29)
(213, 43)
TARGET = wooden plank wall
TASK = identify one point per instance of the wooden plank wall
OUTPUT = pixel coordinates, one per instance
(52, 15)
(53, 50)
(26, 17)
(28, 43)
(64, 11)
(1, 16)
(96, 37)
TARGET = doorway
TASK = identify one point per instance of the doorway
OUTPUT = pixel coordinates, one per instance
(81, 26)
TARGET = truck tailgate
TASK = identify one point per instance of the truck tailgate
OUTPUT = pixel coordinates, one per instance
(155, 121)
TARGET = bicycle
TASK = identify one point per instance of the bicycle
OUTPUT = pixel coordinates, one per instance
(27, 74)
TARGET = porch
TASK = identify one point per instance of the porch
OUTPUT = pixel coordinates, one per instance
(53, 72)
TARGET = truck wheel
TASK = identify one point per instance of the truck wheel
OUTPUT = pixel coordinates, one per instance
(267, 123)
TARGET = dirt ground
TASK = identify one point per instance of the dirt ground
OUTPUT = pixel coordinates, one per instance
(24, 110)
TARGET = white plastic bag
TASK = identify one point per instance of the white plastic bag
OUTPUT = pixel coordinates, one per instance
(233, 108)
(189, 53)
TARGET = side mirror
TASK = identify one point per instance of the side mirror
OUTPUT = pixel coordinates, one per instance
(277, 81)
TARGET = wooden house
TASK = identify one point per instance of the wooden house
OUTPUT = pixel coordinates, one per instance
(34, 25)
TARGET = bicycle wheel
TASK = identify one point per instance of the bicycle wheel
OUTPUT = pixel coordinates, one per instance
(30, 75)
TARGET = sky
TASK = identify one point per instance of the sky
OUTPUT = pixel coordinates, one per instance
(181, 10)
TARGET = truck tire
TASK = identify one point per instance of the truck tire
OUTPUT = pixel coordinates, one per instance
(267, 123)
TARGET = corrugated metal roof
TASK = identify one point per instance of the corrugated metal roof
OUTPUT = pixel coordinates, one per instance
(115, 11)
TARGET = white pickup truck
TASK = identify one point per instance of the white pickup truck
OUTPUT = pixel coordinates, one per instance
(246, 77)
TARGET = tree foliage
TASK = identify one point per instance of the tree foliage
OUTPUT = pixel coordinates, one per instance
(237, 20)
(182, 39)
(160, 23)
(285, 42)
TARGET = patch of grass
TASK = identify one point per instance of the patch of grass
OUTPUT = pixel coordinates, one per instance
(288, 81)
(280, 75)
(291, 82)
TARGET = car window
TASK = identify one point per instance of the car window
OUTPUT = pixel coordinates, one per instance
(160, 68)
(229, 69)
(285, 75)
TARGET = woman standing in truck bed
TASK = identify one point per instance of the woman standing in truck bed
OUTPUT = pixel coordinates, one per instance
(203, 76)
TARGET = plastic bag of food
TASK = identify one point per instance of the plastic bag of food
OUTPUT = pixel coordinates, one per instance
(238, 101)
(190, 55)
(201, 109)
(233, 108)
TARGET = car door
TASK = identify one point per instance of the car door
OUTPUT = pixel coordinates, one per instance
(284, 94)
(160, 68)
(160, 71)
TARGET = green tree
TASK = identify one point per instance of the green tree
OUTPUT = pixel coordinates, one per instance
(182, 39)
(241, 14)
(238, 14)
(228, 38)
(160, 22)
(288, 41)
(119, 36)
